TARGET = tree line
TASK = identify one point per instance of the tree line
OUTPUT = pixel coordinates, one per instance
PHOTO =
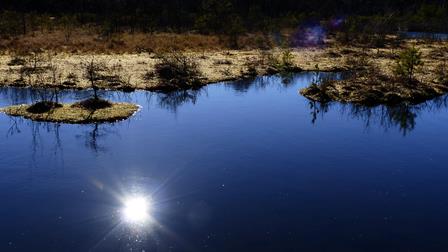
(212, 16)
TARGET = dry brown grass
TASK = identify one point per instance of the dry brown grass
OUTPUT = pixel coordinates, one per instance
(88, 41)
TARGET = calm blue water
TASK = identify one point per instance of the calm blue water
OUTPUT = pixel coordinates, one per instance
(426, 35)
(245, 166)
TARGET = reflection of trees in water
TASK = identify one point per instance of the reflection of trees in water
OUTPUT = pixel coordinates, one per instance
(258, 83)
(29, 95)
(52, 131)
(402, 117)
(18, 95)
(173, 100)
(94, 134)
(282, 81)
(13, 126)
(317, 109)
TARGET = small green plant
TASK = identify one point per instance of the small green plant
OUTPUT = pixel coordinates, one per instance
(408, 63)
(283, 63)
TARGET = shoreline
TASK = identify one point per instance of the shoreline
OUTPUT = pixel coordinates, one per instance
(135, 71)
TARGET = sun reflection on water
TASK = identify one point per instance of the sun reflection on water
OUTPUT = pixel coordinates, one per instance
(137, 209)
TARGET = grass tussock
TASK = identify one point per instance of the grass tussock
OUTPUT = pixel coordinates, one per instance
(43, 107)
(93, 104)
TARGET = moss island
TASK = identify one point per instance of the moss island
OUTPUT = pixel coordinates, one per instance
(87, 111)
(410, 77)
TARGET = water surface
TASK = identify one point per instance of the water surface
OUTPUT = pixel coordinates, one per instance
(426, 35)
(243, 166)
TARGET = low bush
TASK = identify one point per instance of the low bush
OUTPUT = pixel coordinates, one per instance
(43, 107)
(93, 104)
(177, 71)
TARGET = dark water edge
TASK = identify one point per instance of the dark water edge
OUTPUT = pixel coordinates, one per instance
(238, 166)
(425, 35)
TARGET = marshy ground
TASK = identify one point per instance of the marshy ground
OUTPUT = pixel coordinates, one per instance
(130, 64)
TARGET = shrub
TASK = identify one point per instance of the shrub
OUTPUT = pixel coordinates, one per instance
(34, 63)
(177, 71)
(408, 63)
(92, 72)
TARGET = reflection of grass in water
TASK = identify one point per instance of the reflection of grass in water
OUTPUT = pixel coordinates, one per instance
(75, 113)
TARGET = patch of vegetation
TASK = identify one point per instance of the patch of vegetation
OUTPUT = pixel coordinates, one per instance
(34, 67)
(93, 104)
(319, 87)
(372, 89)
(369, 86)
(250, 68)
(407, 64)
(282, 63)
(71, 79)
(442, 73)
(92, 71)
(17, 61)
(367, 31)
(177, 71)
(43, 107)
(359, 62)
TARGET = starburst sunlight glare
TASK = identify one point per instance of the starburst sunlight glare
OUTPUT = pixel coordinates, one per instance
(136, 209)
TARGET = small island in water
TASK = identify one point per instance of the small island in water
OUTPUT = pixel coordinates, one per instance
(87, 111)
